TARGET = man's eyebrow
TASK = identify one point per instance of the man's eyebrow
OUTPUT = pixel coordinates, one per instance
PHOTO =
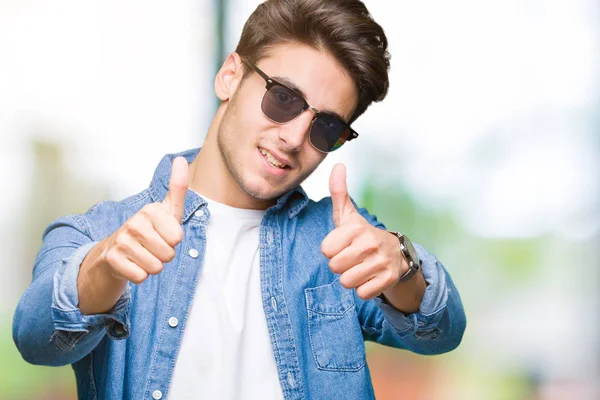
(295, 88)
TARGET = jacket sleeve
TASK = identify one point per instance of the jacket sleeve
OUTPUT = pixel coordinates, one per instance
(437, 327)
(48, 327)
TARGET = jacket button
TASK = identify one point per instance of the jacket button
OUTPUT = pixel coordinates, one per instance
(274, 303)
(173, 322)
(157, 395)
(290, 379)
(193, 253)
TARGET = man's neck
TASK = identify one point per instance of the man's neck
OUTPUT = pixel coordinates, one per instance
(210, 177)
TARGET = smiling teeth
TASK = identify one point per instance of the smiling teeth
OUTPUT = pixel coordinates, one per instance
(272, 159)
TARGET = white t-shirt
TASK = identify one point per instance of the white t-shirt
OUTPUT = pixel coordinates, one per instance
(226, 351)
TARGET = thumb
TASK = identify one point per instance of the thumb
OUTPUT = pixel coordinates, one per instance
(178, 186)
(342, 205)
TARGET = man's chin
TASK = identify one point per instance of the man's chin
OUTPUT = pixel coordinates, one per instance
(263, 193)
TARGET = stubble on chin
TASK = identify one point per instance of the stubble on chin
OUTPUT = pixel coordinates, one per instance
(235, 168)
(225, 143)
(233, 163)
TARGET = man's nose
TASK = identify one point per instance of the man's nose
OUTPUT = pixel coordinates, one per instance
(295, 133)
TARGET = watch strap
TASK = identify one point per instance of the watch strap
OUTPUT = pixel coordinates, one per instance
(413, 264)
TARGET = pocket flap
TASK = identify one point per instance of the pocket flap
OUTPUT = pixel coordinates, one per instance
(331, 299)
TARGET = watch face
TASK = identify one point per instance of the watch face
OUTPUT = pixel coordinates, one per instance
(412, 252)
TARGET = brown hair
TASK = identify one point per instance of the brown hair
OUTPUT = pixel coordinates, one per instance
(344, 28)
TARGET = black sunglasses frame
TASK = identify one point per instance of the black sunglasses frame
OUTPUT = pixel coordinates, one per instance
(270, 82)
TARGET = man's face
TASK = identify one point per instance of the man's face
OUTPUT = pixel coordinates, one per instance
(247, 139)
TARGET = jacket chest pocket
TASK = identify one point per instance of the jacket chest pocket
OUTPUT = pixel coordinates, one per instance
(335, 335)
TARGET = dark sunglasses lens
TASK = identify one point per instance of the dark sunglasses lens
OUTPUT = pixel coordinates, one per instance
(281, 104)
(328, 133)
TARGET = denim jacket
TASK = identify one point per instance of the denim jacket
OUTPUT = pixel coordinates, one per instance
(317, 327)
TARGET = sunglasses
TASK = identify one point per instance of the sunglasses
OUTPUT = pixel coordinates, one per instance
(282, 104)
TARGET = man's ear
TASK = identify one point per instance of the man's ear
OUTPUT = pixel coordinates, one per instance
(229, 77)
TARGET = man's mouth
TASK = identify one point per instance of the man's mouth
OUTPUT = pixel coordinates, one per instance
(272, 160)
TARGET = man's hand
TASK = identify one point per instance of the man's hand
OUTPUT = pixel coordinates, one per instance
(368, 258)
(137, 249)
(148, 239)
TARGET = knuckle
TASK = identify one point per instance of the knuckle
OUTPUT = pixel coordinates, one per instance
(120, 240)
(170, 254)
(389, 279)
(362, 293)
(149, 209)
(356, 229)
(345, 281)
(135, 274)
(334, 266)
(324, 250)
(111, 257)
(175, 237)
(138, 277)
(177, 186)
(372, 243)
(167, 254)
(178, 235)
(134, 225)
(155, 267)
(381, 261)
(367, 244)
(150, 212)
(146, 210)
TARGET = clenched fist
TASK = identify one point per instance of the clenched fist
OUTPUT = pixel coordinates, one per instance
(137, 249)
(367, 258)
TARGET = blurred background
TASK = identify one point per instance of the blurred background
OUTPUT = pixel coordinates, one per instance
(486, 151)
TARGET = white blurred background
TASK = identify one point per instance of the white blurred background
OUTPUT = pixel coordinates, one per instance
(486, 151)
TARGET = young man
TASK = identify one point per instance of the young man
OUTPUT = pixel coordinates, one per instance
(222, 280)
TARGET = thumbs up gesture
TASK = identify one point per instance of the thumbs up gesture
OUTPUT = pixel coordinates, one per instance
(147, 240)
(178, 186)
(367, 258)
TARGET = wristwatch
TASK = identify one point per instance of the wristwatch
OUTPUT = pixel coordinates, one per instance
(410, 255)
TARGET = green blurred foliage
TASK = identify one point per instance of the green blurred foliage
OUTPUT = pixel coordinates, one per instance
(440, 231)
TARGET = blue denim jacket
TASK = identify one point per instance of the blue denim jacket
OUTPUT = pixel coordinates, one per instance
(317, 327)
